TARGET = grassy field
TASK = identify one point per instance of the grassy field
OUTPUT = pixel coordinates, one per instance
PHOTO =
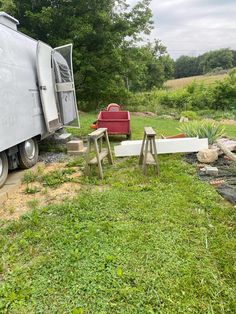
(166, 127)
(127, 244)
(182, 82)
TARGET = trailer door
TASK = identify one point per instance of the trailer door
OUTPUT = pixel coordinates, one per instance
(46, 82)
(65, 86)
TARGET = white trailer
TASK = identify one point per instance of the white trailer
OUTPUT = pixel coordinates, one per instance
(37, 95)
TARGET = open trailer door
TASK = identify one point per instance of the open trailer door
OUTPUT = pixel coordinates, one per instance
(47, 87)
(65, 86)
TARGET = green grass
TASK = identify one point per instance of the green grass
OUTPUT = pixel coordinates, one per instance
(128, 244)
(231, 130)
(166, 127)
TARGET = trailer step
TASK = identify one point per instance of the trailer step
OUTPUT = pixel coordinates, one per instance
(62, 138)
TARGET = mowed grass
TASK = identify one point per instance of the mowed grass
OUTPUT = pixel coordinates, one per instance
(127, 244)
(182, 82)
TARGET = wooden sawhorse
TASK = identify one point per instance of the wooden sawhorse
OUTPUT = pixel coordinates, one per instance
(96, 138)
(148, 154)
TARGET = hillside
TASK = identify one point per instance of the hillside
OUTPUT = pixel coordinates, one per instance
(182, 82)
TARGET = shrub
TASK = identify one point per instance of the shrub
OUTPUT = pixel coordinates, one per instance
(206, 129)
(196, 96)
(191, 115)
(225, 92)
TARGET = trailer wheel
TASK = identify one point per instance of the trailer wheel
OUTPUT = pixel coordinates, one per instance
(3, 168)
(28, 153)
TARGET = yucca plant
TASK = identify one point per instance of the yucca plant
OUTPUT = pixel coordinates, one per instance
(204, 129)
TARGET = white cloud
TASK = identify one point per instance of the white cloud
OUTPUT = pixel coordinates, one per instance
(192, 27)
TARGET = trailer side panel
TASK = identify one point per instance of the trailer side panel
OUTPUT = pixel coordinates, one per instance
(21, 115)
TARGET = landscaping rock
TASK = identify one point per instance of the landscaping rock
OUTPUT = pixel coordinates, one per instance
(211, 171)
(183, 119)
(224, 182)
(207, 156)
(75, 145)
(166, 117)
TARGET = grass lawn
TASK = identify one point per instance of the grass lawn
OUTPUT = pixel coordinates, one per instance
(127, 244)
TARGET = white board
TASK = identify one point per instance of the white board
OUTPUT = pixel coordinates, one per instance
(164, 146)
(47, 86)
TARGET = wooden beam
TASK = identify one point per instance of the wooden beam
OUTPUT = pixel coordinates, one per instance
(226, 151)
(164, 146)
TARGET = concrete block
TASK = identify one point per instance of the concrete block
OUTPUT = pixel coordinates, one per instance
(77, 152)
(75, 145)
(211, 171)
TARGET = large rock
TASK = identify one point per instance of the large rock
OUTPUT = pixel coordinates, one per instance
(207, 156)
(183, 119)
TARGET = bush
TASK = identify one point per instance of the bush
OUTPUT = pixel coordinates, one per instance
(225, 92)
(191, 115)
(196, 96)
(206, 129)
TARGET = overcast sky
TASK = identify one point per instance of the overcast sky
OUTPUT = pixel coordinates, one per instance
(192, 27)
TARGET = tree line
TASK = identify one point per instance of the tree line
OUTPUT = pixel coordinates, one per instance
(212, 61)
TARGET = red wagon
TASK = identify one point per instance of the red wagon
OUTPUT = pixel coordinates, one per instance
(115, 120)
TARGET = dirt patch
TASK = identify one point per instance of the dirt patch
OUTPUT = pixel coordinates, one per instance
(228, 122)
(19, 202)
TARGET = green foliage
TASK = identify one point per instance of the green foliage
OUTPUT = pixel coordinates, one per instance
(33, 204)
(146, 67)
(209, 62)
(29, 176)
(225, 92)
(106, 35)
(205, 129)
(136, 244)
(31, 190)
(7, 6)
(214, 59)
(196, 96)
(56, 178)
(139, 246)
(191, 115)
(186, 66)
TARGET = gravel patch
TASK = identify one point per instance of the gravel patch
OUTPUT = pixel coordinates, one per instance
(50, 157)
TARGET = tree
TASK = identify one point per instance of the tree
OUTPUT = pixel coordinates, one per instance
(147, 67)
(7, 6)
(99, 30)
(222, 58)
(186, 66)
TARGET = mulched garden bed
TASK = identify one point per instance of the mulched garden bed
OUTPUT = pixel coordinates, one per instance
(224, 182)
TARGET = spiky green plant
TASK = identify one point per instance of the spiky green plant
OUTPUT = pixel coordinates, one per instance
(204, 129)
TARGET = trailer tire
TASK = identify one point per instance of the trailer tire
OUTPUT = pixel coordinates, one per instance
(3, 168)
(28, 153)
